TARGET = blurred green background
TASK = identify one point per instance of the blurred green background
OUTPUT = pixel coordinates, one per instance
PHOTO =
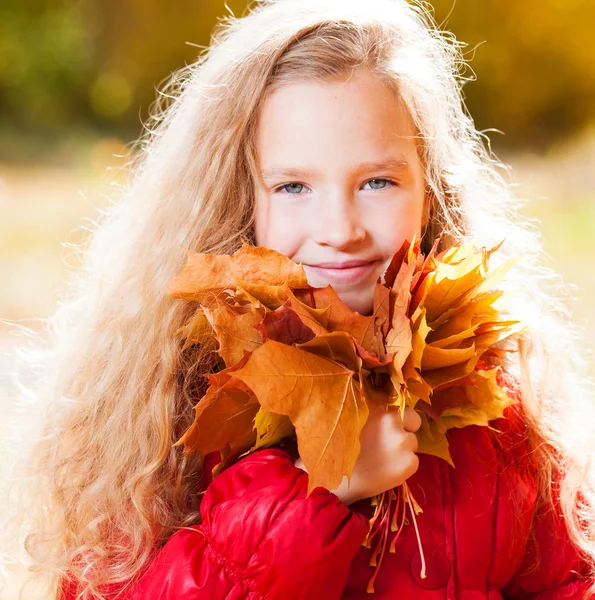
(70, 69)
(78, 77)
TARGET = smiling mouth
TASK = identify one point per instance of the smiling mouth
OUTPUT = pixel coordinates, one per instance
(347, 272)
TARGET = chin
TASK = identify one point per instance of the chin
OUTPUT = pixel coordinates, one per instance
(359, 301)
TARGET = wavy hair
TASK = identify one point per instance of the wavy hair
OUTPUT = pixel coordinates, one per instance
(105, 486)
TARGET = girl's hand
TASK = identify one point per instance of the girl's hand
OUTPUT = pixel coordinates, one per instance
(387, 456)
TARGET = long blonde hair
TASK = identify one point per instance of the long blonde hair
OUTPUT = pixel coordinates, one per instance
(106, 487)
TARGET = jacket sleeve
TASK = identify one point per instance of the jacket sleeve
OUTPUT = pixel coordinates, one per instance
(260, 538)
(552, 568)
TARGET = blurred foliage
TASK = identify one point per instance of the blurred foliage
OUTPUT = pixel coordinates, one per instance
(93, 65)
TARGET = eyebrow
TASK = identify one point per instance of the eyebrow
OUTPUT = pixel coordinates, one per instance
(390, 164)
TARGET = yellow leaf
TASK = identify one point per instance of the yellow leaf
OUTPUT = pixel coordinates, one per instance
(487, 402)
(450, 282)
(431, 439)
(421, 331)
(495, 276)
(197, 331)
(439, 377)
(270, 428)
(438, 358)
(452, 341)
(465, 315)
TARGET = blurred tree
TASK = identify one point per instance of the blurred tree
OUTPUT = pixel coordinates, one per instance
(534, 61)
(46, 53)
(68, 64)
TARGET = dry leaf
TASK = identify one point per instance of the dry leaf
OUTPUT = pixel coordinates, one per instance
(285, 326)
(313, 366)
(234, 331)
(271, 428)
(322, 400)
(206, 276)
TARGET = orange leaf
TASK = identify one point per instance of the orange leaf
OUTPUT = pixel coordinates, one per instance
(438, 358)
(223, 418)
(197, 331)
(486, 402)
(234, 332)
(205, 276)
(322, 399)
(431, 439)
(339, 317)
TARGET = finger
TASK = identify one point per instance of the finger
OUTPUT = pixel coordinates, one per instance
(412, 442)
(411, 420)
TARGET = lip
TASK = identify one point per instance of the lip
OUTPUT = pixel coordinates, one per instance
(346, 272)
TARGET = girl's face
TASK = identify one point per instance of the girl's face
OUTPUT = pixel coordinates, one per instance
(341, 186)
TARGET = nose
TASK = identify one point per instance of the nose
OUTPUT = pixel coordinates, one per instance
(338, 222)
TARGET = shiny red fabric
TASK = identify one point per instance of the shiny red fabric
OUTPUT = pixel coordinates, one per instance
(261, 538)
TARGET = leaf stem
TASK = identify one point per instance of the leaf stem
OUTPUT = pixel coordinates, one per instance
(409, 499)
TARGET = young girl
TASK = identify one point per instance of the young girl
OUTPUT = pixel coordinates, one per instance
(330, 131)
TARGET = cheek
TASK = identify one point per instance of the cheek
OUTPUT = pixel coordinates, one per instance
(277, 229)
(392, 226)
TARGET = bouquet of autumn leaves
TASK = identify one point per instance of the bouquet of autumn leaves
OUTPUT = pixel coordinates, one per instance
(296, 362)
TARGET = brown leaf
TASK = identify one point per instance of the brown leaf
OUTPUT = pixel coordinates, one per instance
(206, 276)
(323, 401)
(197, 331)
(224, 417)
(339, 317)
(234, 332)
(285, 326)
(381, 309)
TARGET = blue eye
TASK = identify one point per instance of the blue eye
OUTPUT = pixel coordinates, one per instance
(384, 183)
(296, 189)
(291, 188)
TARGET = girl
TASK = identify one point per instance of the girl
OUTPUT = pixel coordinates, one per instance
(329, 130)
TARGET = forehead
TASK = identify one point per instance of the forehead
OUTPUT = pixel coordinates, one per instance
(356, 119)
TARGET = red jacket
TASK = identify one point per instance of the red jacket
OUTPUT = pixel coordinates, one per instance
(262, 539)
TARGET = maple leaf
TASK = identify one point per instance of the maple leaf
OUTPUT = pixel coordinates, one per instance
(321, 398)
(432, 440)
(335, 315)
(271, 428)
(486, 402)
(206, 276)
(313, 366)
(284, 325)
(234, 330)
(197, 331)
(301, 364)
(223, 420)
